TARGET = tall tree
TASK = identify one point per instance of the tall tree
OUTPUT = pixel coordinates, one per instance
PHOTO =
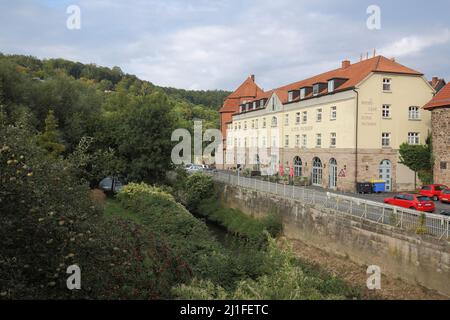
(50, 139)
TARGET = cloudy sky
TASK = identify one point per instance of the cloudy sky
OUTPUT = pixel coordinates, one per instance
(216, 44)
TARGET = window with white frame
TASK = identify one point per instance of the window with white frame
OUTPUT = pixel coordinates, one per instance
(319, 115)
(318, 140)
(256, 124)
(298, 118)
(261, 103)
(274, 122)
(333, 115)
(386, 84)
(253, 124)
(386, 111)
(414, 113)
(254, 105)
(239, 126)
(331, 86)
(264, 122)
(245, 125)
(305, 117)
(290, 96)
(315, 90)
(413, 138)
(333, 139)
(286, 141)
(304, 140)
(386, 139)
(297, 140)
(286, 119)
(302, 93)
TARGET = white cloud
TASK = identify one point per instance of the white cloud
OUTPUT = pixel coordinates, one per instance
(415, 44)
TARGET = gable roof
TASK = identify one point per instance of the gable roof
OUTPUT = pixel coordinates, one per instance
(353, 73)
(248, 90)
(441, 99)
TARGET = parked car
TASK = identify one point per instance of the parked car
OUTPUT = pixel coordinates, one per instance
(412, 201)
(111, 185)
(433, 191)
(194, 168)
(445, 196)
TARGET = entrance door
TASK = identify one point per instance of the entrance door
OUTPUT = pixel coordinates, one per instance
(317, 172)
(333, 173)
(386, 174)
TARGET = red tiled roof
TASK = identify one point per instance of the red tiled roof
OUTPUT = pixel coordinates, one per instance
(441, 99)
(355, 73)
(248, 90)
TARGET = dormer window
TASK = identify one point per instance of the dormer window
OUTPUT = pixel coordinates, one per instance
(315, 89)
(331, 85)
(254, 105)
(302, 93)
(290, 96)
(261, 103)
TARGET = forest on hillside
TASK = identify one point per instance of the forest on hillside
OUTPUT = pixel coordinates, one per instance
(123, 124)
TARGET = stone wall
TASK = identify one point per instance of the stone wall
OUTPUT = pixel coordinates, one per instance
(441, 144)
(416, 259)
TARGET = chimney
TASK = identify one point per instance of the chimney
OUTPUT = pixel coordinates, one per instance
(434, 81)
(253, 77)
(345, 64)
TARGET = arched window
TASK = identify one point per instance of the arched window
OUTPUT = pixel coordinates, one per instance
(333, 173)
(297, 167)
(274, 122)
(317, 172)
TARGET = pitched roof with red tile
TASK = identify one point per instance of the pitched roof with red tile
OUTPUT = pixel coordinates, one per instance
(248, 90)
(441, 99)
(354, 74)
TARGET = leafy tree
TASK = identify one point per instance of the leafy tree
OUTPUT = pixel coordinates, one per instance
(416, 157)
(50, 138)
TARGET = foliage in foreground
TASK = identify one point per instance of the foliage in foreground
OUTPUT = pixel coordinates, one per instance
(48, 222)
(286, 281)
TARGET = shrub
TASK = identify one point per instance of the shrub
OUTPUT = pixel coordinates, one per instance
(285, 281)
(239, 223)
(98, 198)
(197, 187)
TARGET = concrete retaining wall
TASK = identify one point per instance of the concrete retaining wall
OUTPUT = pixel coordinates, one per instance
(416, 259)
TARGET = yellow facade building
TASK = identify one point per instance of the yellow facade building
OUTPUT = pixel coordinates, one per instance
(337, 128)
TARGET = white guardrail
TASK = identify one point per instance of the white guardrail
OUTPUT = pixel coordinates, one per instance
(406, 219)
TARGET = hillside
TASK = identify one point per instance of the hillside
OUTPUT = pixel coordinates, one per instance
(123, 123)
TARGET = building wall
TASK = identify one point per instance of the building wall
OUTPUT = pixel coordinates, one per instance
(441, 144)
(406, 91)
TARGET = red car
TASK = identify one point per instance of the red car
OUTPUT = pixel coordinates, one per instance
(432, 191)
(412, 201)
(445, 196)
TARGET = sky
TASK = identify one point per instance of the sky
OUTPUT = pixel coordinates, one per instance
(217, 44)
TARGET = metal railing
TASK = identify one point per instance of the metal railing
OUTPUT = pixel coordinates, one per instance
(354, 208)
